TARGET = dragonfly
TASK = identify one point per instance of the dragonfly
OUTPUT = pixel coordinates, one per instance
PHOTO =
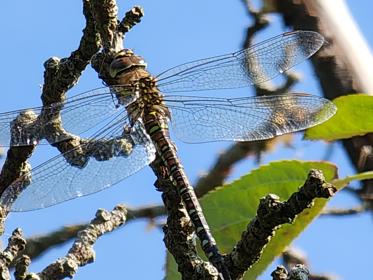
(127, 122)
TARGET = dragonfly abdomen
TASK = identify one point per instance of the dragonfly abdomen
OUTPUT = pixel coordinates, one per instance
(157, 128)
(150, 108)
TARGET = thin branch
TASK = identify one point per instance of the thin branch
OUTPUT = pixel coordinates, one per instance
(299, 272)
(131, 18)
(37, 245)
(179, 237)
(260, 22)
(280, 273)
(292, 257)
(337, 212)
(16, 243)
(271, 214)
(81, 252)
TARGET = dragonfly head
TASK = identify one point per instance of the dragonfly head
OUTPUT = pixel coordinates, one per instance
(125, 61)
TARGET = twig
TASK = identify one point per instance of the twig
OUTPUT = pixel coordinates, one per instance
(260, 22)
(343, 212)
(131, 18)
(293, 257)
(81, 252)
(179, 237)
(38, 245)
(16, 243)
(280, 273)
(299, 272)
(271, 214)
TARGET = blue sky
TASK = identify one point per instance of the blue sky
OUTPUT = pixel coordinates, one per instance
(172, 32)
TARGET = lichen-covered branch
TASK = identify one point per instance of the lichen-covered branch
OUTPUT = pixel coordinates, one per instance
(81, 252)
(292, 257)
(38, 245)
(280, 273)
(105, 14)
(271, 214)
(16, 244)
(179, 237)
(131, 18)
(298, 272)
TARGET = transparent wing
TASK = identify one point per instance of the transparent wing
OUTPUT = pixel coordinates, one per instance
(254, 65)
(85, 113)
(6, 120)
(203, 119)
(74, 174)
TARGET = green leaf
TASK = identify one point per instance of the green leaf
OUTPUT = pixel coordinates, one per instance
(230, 208)
(171, 268)
(354, 117)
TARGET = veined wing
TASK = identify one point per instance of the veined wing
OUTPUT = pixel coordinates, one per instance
(204, 119)
(253, 65)
(93, 166)
(87, 113)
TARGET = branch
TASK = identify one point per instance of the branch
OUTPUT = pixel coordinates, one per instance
(271, 214)
(280, 273)
(112, 32)
(131, 18)
(16, 243)
(293, 257)
(344, 212)
(38, 245)
(179, 237)
(81, 252)
(260, 22)
(298, 272)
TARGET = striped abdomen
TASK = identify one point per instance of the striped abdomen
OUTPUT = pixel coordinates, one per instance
(157, 128)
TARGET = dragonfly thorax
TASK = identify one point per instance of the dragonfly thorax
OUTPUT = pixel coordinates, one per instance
(150, 100)
(125, 61)
(129, 71)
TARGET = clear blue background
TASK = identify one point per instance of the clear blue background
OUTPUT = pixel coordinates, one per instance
(172, 32)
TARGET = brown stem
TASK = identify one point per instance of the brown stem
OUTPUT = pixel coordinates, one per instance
(271, 214)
